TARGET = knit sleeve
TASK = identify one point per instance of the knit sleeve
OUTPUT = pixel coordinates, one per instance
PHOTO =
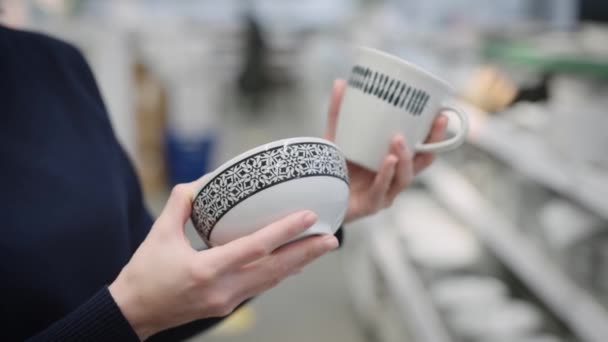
(98, 319)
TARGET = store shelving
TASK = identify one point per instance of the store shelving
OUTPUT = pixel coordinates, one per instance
(526, 153)
(407, 289)
(572, 56)
(576, 308)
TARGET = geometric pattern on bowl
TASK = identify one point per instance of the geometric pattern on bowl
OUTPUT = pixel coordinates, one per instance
(261, 171)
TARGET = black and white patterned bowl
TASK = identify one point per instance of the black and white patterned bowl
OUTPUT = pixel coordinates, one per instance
(269, 182)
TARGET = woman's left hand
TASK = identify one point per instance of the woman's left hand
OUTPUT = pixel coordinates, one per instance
(371, 192)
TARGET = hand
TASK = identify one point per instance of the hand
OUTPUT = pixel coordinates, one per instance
(167, 283)
(369, 191)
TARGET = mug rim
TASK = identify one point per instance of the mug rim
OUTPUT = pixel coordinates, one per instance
(403, 62)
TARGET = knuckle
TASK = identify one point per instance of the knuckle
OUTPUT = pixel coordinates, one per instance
(219, 305)
(259, 251)
(201, 275)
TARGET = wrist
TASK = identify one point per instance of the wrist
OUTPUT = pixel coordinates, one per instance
(131, 307)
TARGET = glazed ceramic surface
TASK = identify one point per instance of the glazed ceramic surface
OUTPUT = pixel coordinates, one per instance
(269, 182)
(386, 96)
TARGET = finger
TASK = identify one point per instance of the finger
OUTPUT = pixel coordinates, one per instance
(178, 207)
(196, 185)
(404, 171)
(382, 181)
(334, 109)
(287, 260)
(261, 243)
(438, 129)
(423, 160)
(295, 271)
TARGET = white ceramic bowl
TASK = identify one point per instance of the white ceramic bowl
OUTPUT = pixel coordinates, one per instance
(270, 182)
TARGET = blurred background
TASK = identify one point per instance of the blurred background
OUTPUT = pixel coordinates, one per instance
(504, 239)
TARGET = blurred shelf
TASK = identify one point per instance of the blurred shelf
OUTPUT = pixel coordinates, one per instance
(529, 155)
(528, 55)
(407, 289)
(576, 308)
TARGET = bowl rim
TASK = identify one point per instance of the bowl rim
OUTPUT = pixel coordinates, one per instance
(258, 149)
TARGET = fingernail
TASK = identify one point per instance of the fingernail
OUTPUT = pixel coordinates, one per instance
(331, 242)
(309, 218)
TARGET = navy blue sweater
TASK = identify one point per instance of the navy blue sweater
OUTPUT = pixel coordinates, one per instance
(71, 209)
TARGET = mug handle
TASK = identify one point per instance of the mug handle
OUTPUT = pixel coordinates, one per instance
(453, 142)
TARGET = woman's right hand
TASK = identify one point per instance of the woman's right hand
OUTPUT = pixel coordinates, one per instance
(167, 283)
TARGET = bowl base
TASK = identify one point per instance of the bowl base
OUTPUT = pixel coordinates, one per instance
(319, 228)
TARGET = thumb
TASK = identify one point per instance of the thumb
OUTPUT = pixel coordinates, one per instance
(179, 205)
(334, 109)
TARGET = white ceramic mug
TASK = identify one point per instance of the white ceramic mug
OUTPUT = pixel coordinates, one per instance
(386, 96)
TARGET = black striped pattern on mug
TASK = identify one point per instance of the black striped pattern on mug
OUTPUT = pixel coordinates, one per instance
(388, 89)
